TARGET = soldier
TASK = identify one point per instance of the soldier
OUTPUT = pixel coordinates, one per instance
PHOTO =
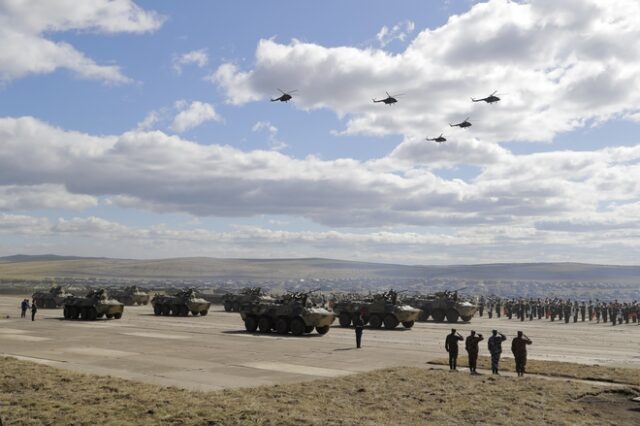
(359, 327)
(451, 345)
(471, 345)
(583, 311)
(490, 309)
(519, 349)
(605, 313)
(575, 311)
(481, 306)
(495, 349)
(567, 311)
(498, 308)
(24, 305)
(34, 309)
(590, 310)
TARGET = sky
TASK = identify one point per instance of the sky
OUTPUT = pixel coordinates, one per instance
(146, 130)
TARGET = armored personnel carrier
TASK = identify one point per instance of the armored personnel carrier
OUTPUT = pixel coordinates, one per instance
(54, 298)
(94, 305)
(180, 304)
(292, 313)
(232, 301)
(378, 310)
(131, 295)
(444, 305)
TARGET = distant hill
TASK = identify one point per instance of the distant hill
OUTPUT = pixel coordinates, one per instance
(202, 268)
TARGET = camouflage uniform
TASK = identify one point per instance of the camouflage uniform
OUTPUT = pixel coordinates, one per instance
(495, 349)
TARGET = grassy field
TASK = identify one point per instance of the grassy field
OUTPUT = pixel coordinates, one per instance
(33, 394)
(627, 376)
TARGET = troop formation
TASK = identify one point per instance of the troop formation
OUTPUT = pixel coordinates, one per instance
(553, 309)
(518, 348)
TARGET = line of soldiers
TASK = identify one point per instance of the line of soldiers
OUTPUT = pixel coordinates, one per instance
(518, 348)
(563, 310)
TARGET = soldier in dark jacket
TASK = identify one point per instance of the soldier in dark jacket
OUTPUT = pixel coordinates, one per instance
(359, 326)
(34, 309)
(451, 345)
(471, 345)
(519, 349)
(495, 348)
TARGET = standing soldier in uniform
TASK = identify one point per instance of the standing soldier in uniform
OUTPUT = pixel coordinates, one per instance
(495, 349)
(471, 345)
(451, 345)
(590, 310)
(24, 305)
(519, 349)
(34, 309)
(481, 306)
(359, 326)
(583, 310)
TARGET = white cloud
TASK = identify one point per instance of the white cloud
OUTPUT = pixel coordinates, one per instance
(24, 25)
(199, 58)
(149, 121)
(162, 173)
(192, 115)
(272, 131)
(399, 32)
(580, 62)
(44, 196)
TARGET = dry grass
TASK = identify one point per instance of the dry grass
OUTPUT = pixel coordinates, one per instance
(37, 394)
(627, 376)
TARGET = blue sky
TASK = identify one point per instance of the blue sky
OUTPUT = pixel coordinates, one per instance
(546, 174)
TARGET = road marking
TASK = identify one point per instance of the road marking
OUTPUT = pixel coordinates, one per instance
(157, 335)
(21, 338)
(297, 369)
(109, 353)
(12, 331)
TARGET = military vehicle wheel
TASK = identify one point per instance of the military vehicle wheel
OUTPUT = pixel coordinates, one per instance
(236, 306)
(157, 310)
(452, 315)
(228, 307)
(390, 322)
(297, 327)
(91, 314)
(67, 313)
(423, 316)
(308, 329)
(83, 313)
(176, 310)
(438, 315)
(264, 324)
(345, 319)
(204, 313)
(466, 319)
(194, 313)
(408, 324)
(251, 323)
(282, 326)
(323, 329)
(109, 316)
(166, 310)
(75, 312)
(118, 315)
(101, 315)
(375, 321)
(184, 311)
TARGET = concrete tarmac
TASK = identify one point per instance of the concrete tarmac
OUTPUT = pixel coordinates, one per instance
(214, 352)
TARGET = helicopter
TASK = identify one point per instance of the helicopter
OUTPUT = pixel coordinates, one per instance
(439, 139)
(489, 99)
(285, 97)
(389, 99)
(462, 125)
